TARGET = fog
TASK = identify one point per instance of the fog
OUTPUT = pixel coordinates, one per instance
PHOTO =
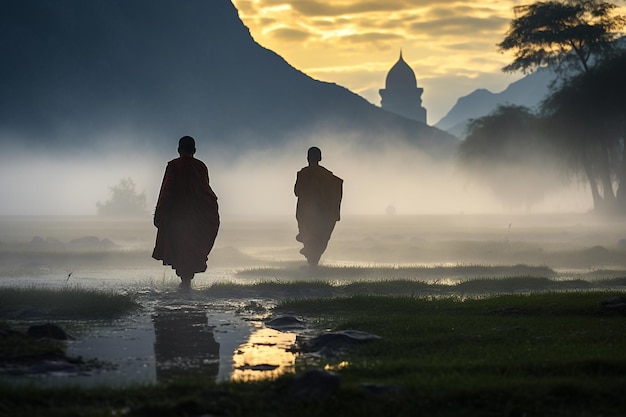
(401, 207)
(379, 179)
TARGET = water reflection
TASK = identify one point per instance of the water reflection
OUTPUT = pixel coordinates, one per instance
(266, 354)
(174, 341)
(190, 342)
(184, 344)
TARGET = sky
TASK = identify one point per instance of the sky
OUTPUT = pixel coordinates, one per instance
(450, 45)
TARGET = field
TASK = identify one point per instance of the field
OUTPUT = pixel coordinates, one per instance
(473, 315)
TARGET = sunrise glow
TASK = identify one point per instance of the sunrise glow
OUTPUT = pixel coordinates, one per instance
(451, 46)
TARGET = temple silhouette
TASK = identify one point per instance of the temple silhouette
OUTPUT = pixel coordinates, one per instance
(401, 94)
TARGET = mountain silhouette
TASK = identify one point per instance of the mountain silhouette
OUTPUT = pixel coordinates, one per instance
(527, 91)
(142, 73)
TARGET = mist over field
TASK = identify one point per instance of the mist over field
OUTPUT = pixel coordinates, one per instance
(386, 178)
(401, 208)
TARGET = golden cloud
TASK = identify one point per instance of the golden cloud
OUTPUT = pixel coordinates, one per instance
(355, 42)
(464, 27)
(288, 34)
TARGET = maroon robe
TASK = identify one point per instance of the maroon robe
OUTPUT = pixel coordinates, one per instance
(186, 217)
(319, 195)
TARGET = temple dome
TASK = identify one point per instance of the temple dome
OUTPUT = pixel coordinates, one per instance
(401, 94)
(400, 76)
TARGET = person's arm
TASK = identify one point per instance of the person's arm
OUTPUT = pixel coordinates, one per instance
(296, 187)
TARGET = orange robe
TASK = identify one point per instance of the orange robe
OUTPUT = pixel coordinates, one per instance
(186, 216)
(319, 195)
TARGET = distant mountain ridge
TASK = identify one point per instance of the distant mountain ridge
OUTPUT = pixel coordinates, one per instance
(528, 91)
(76, 71)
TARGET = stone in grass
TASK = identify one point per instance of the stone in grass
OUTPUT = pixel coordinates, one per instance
(314, 383)
(331, 343)
(284, 322)
(615, 303)
(379, 389)
(47, 331)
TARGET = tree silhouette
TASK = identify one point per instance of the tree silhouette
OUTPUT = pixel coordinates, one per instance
(124, 201)
(586, 119)
(584, 114)
(563, 34)
(506, 152)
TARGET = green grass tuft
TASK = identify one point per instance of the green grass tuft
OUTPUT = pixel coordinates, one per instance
(64, 303)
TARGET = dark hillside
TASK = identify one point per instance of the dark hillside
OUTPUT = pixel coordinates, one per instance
(76, 73)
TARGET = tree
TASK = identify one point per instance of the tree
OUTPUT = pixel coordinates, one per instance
(579, 39)
(124, 201)
(505, 151)
(586, 119)
(562, 34)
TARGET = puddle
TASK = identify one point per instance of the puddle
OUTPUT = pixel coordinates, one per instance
(128, 345)
(175, 340)
(266, 354)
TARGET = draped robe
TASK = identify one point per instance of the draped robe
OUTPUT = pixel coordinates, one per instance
(319, 195)
(186, 216)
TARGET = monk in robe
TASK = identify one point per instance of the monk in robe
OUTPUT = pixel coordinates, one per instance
(319, 195)
(186, 215)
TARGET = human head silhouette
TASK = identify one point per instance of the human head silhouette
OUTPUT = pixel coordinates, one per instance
(314, 154)
(187, 145)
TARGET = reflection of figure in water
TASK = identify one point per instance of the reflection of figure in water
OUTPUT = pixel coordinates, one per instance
(319, 195)
(184, 344)
(186, 215)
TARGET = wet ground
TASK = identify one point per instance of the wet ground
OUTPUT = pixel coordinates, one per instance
(225, 337)
(176, 334)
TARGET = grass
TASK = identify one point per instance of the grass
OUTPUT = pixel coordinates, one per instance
(404, 272)
(17, 347)
(556, 354)
(65, 303)
(319, 286)
(545, 354)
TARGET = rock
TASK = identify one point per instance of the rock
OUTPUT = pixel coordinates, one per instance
(260, 367)
(380, 389)
(615, 303)
(285, 322)
(47, 330)
(339, 340)
(314, 383)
